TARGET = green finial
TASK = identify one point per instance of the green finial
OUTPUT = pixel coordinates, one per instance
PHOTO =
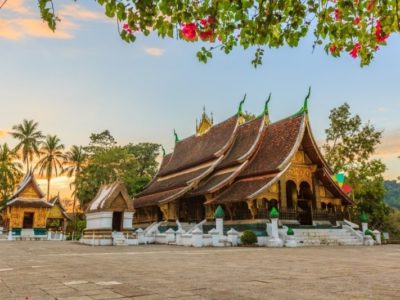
(266, 111)
(163, 150)
(219, 213)
(290, 231)
(304, 109)
(176, 136)
(240, 109)
(274, 213)
(305, 105)
(364, 218)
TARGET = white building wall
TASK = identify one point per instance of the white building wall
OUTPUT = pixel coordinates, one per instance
(128, 220)
(99, 220)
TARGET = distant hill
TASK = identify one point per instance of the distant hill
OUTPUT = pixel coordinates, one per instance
(392, 195)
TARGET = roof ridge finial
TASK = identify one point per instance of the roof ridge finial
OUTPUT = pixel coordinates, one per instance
(266, 111)
(240, 109)
(304, 108)
(305, 105)
(163, 150)
(176, 136)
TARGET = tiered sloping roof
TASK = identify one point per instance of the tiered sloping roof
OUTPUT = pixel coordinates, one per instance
(106, 196)
(21, 200)
(234, 162)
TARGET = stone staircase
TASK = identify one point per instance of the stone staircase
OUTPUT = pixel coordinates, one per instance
(119, 239)
(325, 236)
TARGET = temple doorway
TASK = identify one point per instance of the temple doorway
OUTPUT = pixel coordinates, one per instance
(192, 210)
(117, 221)
(28, 220)
(304, 204)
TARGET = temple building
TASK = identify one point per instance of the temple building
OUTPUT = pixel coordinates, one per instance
(26, 212)
(109, 216)
(57, 218)
(247, 167)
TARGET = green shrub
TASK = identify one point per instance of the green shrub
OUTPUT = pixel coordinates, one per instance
(370, 233)
(248, 238)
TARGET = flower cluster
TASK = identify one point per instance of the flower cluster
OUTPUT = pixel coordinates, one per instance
(190, 30)
(126, 28)
(379, 34)
(354, 52)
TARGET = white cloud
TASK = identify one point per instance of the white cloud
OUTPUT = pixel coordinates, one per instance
(154, 51)
(21, 21)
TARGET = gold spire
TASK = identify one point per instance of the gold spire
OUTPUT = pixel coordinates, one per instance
(205, 123)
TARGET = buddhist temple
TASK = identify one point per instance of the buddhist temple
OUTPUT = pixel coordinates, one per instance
(25, 213)
(248, 168)
(109, 216)
(57, 218)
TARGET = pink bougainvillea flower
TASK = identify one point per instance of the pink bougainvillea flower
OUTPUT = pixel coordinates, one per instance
(204, 22)
(354, 52)
(380, 36)
(357, 20)
(206, 35)
(189, 31)
(333, 48)
(127, 28)
(337, 14)
(370, 5)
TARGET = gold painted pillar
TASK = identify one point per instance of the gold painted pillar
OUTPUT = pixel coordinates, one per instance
(317, 193)
(282, 192)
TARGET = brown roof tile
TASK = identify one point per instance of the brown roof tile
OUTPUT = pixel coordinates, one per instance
(153, 199)
(160, 185)
(247, 135)
(198, 149)
(213, 181)
(276, 144)
(240, 190)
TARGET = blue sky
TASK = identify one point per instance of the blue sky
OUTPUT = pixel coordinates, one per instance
(85, 79)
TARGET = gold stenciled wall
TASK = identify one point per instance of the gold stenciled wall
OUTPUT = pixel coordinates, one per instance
(15, 215)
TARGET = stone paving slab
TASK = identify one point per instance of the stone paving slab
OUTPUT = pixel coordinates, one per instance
(65, 270)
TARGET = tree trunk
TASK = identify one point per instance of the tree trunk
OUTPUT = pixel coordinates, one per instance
(48, 188)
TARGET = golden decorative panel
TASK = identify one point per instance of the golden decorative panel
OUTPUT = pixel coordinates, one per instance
(29, 192)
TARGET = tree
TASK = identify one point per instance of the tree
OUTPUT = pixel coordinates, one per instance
(348, 148)
(10, 171)
(107, 162)
(29, 138)
(75, 159)
(145, 154)
(358, 27)
(52, 159)
(100, 142)
(392, 195)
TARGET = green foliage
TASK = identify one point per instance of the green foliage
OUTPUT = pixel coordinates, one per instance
(392, 193)
(10, 171)
(29, 137)
(134, 164)
(355, 27)
(348, 149)
(392, 225)
(52, 159)
(248, 238)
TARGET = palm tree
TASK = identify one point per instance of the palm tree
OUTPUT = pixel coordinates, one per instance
(10, 171)
(75, 159)
(52, 159)
(29, 140)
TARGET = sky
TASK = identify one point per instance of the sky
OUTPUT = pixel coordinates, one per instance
(83, 79)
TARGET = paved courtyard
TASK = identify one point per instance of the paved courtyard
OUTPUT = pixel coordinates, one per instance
(65, 270)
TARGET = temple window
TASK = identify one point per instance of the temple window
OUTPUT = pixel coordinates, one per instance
(291, 193)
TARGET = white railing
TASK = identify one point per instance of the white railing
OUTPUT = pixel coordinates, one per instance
(199, 226)
(355, 232)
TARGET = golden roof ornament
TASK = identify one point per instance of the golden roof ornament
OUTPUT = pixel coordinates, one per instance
(205, 123)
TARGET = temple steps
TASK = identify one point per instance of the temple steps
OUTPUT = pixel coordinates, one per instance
(119, 239)
(320, 237)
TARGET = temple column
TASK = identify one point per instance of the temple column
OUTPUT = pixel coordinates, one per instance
(252, 208)
(282, 192)
(316, 192)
